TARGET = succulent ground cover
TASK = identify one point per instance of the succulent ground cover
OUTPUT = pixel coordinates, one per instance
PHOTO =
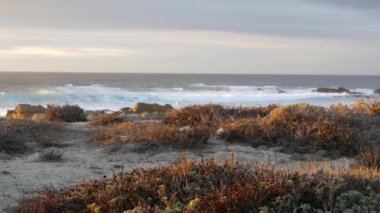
(208, 186)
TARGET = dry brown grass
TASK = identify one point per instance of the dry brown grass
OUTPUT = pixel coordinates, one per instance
(207, 186)
(152, 132)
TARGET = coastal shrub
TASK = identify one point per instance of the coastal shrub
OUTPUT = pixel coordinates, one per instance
(65, 113)
(108, 119)
(208, 115)
(11, 143)
(15, 134)
(207, 186)
(302, 127)
(152, 132)
(212, 115)
(242, 130)
(369, 107)
(51, 155)
(370, 157)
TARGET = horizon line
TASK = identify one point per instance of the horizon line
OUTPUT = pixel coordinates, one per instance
(170, 73)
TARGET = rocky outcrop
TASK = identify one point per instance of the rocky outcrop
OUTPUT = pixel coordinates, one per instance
(332, 90)
(38, 117)
(150, 108)
(10, 113)
(126, 109)
(377, 91)
(25, 111)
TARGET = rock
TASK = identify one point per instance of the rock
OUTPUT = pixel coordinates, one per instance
(332, 90)
(281, 91)
(185, 129)
(26, 111)
(38, 117)
(126, 109)
(130, 117)
(377, 91)
(11, 114)
(222, 133)
(150, 108)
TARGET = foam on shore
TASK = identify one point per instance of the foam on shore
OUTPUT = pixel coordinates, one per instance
(97, 97)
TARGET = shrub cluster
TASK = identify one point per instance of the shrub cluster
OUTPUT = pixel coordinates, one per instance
(51, 155)
(206, 186)
(340, 129)
(212, 115)
(15, 134)
(301, 126)
(370, 157)
(65, 113)
(11, 143)
(108, 119)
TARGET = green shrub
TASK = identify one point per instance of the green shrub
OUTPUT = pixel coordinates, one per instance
(355, 201)
(50, 155)
(11, 142)
(65, 113)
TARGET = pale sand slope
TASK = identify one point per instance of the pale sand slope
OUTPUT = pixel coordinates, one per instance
(84, 160)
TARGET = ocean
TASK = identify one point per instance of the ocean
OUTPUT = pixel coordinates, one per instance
(94, 91)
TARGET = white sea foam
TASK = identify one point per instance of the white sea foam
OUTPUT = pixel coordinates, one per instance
(93, 97)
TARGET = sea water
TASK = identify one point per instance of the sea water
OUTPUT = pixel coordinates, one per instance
(94, 91)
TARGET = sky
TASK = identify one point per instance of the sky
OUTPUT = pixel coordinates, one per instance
(340, 37)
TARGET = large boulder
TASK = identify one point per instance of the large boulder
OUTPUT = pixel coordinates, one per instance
(150, 108)
(10, 114)
(332, 90)
(38, 117)
(377, 91)
(25, 111)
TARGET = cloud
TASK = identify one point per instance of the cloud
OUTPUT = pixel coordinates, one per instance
(61, 52)
(245, 36)
(292, 18)
(352, 4)
(185, 51)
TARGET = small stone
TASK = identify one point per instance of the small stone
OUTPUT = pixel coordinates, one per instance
(185, 129)
(222, 133)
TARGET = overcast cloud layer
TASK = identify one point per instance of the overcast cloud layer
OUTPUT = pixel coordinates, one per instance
(214, 36)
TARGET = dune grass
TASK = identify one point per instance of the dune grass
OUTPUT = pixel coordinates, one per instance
(207, 186)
